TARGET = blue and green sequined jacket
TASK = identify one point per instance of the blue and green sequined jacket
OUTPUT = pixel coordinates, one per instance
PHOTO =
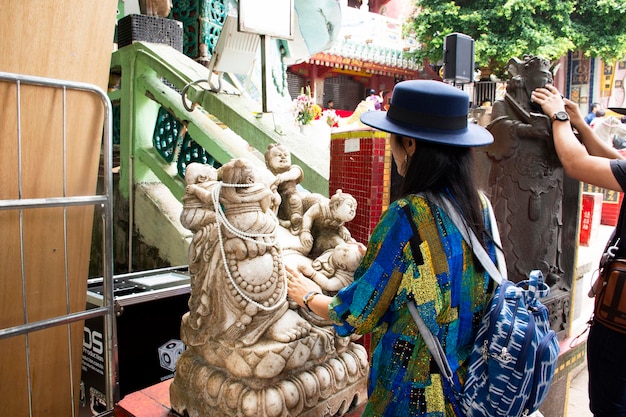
(434, 267)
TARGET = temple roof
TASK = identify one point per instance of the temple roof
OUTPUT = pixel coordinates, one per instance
(366, 57)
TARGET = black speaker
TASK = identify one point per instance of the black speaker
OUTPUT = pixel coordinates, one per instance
(458, 58)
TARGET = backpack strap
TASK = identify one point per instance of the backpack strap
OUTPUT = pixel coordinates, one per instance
(495, 235)
(439, 355)
(435, 348)
(536, 288)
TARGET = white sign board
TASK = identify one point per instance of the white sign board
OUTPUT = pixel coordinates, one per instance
(352, 145)
(273, 18)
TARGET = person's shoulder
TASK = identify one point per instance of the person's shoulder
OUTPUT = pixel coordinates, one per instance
(403, 212)
(414, 202)
(396, 206)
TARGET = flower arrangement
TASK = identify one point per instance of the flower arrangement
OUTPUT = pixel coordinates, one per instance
(305, 109)
(330, 117)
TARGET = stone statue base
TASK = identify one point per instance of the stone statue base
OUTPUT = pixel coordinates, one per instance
(329, 386)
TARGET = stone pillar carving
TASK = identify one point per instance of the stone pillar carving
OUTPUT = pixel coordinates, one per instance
(528, 188)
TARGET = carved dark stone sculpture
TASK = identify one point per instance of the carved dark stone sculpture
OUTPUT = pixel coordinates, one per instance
(527, 185)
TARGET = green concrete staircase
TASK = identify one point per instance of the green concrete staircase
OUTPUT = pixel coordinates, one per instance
(147, 82)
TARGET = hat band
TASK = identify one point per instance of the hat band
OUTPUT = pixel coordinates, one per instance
(429, 121)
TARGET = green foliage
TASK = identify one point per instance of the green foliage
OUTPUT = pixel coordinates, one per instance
(514, 28)
(599, 28)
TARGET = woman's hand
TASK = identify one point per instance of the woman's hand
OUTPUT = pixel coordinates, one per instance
(588, 163)
(298, 285)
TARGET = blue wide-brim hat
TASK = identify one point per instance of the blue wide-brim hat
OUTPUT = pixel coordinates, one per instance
(431, 111)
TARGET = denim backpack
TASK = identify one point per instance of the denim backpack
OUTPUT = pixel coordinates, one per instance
(515, 351)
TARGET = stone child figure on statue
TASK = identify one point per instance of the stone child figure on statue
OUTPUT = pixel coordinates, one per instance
(288, 176)
(334, 269)
(319, 222)
(323, 224)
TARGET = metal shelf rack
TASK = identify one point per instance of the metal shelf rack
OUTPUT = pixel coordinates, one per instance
(102, 201)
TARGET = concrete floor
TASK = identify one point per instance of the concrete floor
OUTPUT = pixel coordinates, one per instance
(578, 404)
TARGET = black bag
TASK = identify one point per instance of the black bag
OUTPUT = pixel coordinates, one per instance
(610, 290)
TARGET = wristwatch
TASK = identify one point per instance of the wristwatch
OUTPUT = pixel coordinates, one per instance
(560, 116)
(309, 297)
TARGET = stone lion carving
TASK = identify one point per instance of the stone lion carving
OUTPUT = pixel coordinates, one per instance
(250, 351)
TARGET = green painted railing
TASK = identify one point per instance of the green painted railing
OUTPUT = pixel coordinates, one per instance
(158, 136)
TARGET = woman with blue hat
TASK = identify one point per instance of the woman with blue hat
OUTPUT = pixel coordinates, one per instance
(417, 255)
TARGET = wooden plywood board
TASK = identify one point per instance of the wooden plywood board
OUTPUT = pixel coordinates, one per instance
(50, 144)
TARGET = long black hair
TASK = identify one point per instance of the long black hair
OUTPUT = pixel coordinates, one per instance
(449, 170)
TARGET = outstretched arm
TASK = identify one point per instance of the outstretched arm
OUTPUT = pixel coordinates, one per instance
(576, 159)
(595, 146)
(298, 286)
(294, 173)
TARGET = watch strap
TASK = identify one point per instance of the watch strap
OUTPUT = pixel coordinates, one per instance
(308, 297)
(560, 116)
